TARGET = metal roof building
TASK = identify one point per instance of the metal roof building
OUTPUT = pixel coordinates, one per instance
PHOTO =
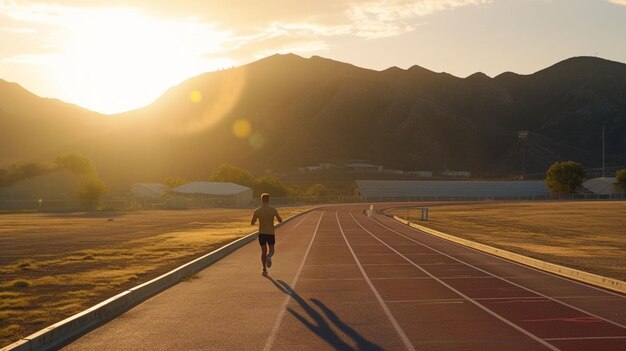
(603, 186)
(149, 190)
(405, 190)
(210, 194)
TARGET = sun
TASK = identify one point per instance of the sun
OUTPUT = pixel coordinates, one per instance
(118, 59)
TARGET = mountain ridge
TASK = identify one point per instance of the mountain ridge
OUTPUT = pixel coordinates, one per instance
(305, 111)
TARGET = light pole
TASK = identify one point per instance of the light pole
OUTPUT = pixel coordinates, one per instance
(522, 135)
(603, 151)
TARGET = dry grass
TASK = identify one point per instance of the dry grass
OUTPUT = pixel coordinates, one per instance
(53, 266)
(589, 236)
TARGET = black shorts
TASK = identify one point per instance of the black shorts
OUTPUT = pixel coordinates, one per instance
(266, 238)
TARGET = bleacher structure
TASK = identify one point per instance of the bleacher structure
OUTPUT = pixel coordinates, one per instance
(405, 190)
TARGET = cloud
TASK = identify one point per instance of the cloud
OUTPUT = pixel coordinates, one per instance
(28, 59)
(303, 27)
(618, 2)
(99, 43)
(388, 18)
(19, 30)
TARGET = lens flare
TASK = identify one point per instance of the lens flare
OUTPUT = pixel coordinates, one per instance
(216, 104)
(195, 96)
(242, 128)
(256, 140)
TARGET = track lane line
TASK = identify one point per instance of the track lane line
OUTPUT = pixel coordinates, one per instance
(589, 338)
(407, 343)
(270, 339)
(529, 267)
(469, 299)
(302, 220)
(501, 278)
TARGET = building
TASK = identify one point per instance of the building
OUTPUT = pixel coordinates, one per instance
(394, 171)
(407, 190)
(363, 166)
(423, 174)
(209, 194)
(603, 186)
(149, 191)
(457, 174)
(309, 169)
(52, 190)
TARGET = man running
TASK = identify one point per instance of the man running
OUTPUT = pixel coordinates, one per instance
(265, 214)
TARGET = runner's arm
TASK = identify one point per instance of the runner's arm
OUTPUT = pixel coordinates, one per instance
(254, 218)
(278, 217)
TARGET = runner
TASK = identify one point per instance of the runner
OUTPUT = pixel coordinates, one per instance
(265, 214)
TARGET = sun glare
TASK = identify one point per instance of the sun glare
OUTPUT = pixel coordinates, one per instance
(123, 60)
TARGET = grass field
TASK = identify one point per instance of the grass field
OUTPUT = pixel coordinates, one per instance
(590, 236)
(55, 265)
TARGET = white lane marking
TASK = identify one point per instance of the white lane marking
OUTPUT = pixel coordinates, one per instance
(409, 346)
(589, 338)
(522, 265)
(302, 220)
(503, 279)
(270, 339)
(477, 304)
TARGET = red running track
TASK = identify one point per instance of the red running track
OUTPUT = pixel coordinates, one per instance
(345, 281)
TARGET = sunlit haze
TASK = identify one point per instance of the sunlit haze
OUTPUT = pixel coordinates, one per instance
(123, 55)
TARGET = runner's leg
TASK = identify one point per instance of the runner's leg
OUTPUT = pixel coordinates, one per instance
(263, 255)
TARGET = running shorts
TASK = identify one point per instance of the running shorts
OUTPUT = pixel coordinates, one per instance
(266, 238)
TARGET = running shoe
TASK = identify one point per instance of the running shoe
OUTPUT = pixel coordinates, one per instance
(268, 261)
(264, 273)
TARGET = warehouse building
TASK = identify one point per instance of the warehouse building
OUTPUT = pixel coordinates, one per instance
(55, 190)
(405, 190)
(603, 186)
(149, 191)
(209, 194)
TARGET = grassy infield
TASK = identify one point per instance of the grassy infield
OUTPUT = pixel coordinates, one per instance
(46, 286)
(590, 236)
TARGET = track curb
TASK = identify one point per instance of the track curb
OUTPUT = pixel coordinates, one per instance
(574, 274)
(61, 333)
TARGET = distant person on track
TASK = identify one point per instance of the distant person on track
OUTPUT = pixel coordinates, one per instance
(265, 214)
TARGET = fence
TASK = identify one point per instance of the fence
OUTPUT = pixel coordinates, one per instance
(64, 205)
(123, 204)
(616, 196)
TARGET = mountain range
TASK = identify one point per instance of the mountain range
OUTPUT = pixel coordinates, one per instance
(286, 111)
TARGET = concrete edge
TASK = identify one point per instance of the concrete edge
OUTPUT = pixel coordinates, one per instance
(61, 333)
(571, 273)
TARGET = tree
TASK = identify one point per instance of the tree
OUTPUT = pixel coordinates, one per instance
(565, 177)
(620, 176)
(76, 163)
(91, 191)
(269, 185)
(317, 190)
(228, 173)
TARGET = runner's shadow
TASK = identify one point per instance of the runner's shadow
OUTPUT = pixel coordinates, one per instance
(318, 324)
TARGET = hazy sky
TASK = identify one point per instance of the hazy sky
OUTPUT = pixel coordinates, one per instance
(124, 54)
